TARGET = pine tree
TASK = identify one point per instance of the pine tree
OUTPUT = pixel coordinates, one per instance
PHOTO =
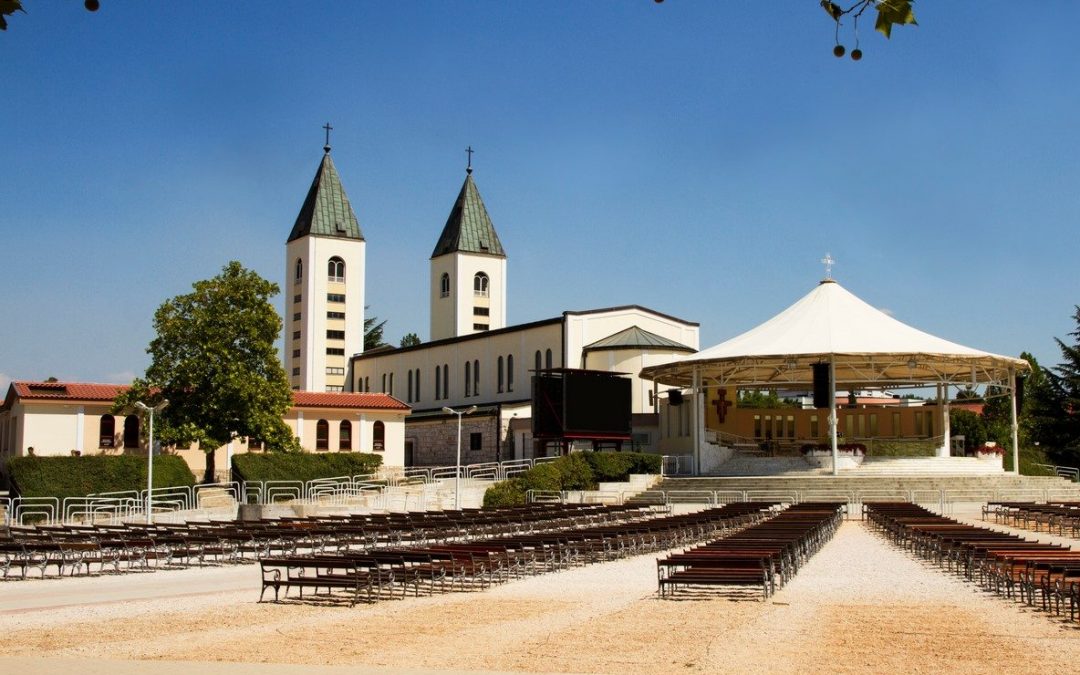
(1057, 403)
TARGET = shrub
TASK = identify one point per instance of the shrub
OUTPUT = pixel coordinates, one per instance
(545, 476)
(575, 472)
(617, 466)
(303, 466)
(81, 476)
(505, 493)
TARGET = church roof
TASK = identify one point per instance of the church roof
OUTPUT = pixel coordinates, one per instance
(326, 399)
(326, 211)
(637, 338)
(469, 228)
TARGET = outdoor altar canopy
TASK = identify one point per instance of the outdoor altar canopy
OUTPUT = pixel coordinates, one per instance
(862, 346)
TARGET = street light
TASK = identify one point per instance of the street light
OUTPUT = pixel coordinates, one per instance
(457, 467)
(150, 457)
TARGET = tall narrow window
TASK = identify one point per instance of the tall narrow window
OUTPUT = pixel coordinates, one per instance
(391, 390)
(476, 377)
(547, 359)
(510, 372)
(409, 399)
(438, 383)
(335, 269)
(367, 384)
(468, 377)
(107, 432)
(445, 380)
(444, 286)
(131, 432)
(417, 385)
(538, 357)
(480, 285)
(378, 436)
(345, 436)
(322, 435)
(384, 383)
(299, 270)
(499, 377)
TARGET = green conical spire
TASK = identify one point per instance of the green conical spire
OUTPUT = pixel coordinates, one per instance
(326, 211)
(469, 228)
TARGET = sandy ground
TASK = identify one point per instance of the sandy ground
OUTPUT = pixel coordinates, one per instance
(859, 606)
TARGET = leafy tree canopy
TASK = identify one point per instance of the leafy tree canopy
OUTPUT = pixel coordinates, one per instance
(215, 361)
(410, 340)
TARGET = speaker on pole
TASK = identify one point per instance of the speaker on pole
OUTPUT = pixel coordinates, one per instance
(674, 397)
(822, 385)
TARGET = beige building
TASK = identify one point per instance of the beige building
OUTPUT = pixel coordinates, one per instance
(64, 418)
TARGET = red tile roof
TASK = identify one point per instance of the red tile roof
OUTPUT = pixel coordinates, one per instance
(319, 399)
(70, 391)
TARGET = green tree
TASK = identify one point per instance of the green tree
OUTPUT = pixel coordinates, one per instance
(889, 13)
(755, 398)
(373, 333)
(215, 360)
(969, 425)
(410, 340)
(1056, 404)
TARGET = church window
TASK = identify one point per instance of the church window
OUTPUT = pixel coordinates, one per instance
(107, 431)
(296, 353)
(335, 351)
(417, 393)
(322, 435)
(409, 390)
(547, 359)
(335, 370)
(510, 372)
(445, 381)
(438, 383)
(131, 432)
(499, 379)
(335, 335)
(476, 377)
(444, 286)
(335, 269)
(296, 298)
(296, 371)
(537, 360)
(367, 384)
(481, 311)
(335, 388)
(335, 315)
(345, 436)
(296, 335)
(480, 326)
(468, 377)
(384, 383)
(391, 390)
(335, 297)
(480, 285)
(378, 436)
(299, 270)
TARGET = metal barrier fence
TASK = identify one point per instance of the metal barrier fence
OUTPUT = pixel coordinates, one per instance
(1070, 472)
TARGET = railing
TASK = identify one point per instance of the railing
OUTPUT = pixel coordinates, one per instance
(5, 511)
(43, 510)
(677, 465)
(1070, 472)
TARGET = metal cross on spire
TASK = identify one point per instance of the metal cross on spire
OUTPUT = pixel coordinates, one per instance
(469, 151)
(326, 148)
(828, 262)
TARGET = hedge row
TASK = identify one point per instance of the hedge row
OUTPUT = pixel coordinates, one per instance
(578, 471)
(303, 466)
(80, 476)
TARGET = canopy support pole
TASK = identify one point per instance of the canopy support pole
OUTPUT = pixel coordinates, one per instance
(695, 421)
(946, 422)
(1013, 423)
(832, 416)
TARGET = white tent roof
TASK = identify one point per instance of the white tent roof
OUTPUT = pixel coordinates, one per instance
(830, 323)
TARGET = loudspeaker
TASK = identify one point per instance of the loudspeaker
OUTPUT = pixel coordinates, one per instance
(674, 397)
(1020, 394)
(822, 385)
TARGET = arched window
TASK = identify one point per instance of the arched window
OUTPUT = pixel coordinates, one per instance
(367, 384)
(345, 436)
(322, 435)
(131, 432)
(335, 269)
(378, 436)
(444, 285)
(499, 379)
(417, 392)
(438, 383)
(299, 270)
(537, 366)
(384, 383)
(476, 378)
(391, 389)
(547, 359)
(480, 284)
(445, 381)
(107, 432)
(510, 372)
(409, 399)
(468, 377)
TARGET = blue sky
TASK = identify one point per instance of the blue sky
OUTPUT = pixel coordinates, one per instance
(694, 157)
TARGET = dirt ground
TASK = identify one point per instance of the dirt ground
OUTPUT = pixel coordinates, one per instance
(859, 606)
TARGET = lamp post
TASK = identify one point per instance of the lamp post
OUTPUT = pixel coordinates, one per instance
(457, 466)
(150, 457)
